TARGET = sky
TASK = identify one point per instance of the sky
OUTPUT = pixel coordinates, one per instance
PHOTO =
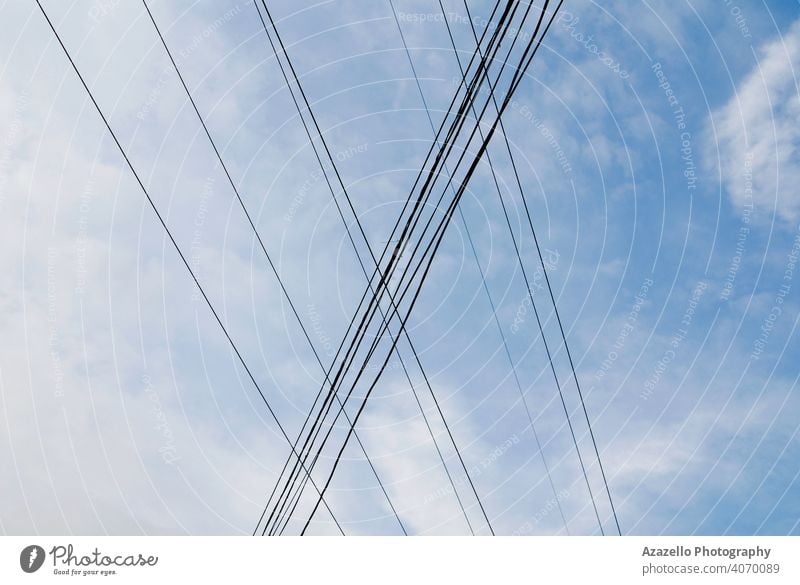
(657, 144)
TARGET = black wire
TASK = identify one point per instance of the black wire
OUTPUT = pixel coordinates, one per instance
(172, 239)
(472, 245)
(455, 491)
(369, 316)
(412, 222)
(544, 269)
(409, 221)
(525, 277)
(351, 346)
(428, 185)
(439, 238)
(343, 219)
(515, 84)
(261, 244)
(552, 298)
(572, 366)
(356, 249)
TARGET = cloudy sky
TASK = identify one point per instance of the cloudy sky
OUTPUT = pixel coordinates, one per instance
(658, 147)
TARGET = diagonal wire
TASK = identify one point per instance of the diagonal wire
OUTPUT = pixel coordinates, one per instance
(511, 233)
(173, 241)
(353, 243)
(472, 246)
(524, 62)
(261, 244)
(552, 298)
(370, 250)
(411, 222)
(476, 494)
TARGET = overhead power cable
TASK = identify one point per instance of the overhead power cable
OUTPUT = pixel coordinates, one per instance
(261, 244)
(370, 313)
(174, 243)
(525, 60)
(555, 309)
(529, 290)
(412, 221)
(472, 244)
(300, 112)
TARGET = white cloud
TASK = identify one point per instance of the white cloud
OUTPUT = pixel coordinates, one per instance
(93, 459)
(758, 135)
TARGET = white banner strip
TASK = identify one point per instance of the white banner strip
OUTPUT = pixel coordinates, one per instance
(400, 560)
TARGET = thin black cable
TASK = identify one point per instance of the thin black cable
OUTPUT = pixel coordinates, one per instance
(524, 64)
(472, 244)
(395, 310)
(527, 283)
(262, 246)
(475, 255)
(447, 148)
(438, 450)
(322, 166)
(428, 223)
(550, 291)
(172, 239)
(434, 397)
(367, 317)
(356, 249)
(499, 192)
(345, 400)
(439, 233)
(405, 229)
(572, 367)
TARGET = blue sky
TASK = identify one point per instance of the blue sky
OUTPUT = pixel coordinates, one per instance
(658, 149)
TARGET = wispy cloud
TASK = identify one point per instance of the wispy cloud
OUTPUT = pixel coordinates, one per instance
(757, 140)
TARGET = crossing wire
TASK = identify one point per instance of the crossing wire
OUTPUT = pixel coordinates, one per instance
(175, 243)
(410, 221)
(552, 298)
(308, 108)
(472, 244)
(370, 314)
(524, 63)
(261, 243)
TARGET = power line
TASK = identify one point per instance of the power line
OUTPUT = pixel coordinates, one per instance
(361, 325)
(173, 241)
(552, 297)
(385, 275)
(371, 311)
(260, 241)
(308, 107)
(472, 245)
(530, 293)
(440, 230)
